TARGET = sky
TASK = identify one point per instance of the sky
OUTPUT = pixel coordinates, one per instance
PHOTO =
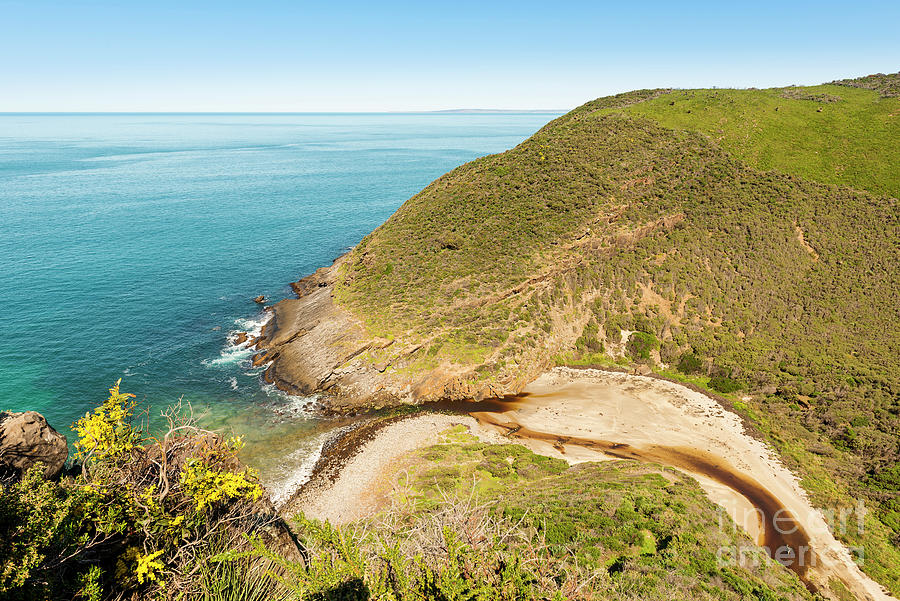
(270, 56)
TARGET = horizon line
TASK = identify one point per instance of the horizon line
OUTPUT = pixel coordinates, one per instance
(409, 112)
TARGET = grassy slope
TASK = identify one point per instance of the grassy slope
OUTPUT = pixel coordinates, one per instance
(764, 241)
(846, 142)
(616, 530)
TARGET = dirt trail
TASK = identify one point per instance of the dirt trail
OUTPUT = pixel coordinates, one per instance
(583, 415)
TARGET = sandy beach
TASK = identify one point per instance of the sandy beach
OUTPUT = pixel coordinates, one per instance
(361, 486)
(593, 415)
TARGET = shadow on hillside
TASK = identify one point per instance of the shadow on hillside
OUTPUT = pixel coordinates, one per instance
(352, 590)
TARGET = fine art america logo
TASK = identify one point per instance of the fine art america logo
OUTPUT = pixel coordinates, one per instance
(785, 537)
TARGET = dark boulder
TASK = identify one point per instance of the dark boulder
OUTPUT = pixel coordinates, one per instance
(27, 439)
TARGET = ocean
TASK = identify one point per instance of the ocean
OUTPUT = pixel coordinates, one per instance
(131, 245)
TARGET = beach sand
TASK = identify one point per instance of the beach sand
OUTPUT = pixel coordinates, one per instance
(362, 484)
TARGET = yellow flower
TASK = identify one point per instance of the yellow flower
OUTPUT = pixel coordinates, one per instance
(147, 566)
(107, 432)
(206, 486)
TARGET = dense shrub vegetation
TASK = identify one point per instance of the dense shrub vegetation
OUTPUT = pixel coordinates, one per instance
(613, 530)
(887, 85)
(140, 516)
(724, 384)
(493, 523)
(690, 364)
(640, 345)
(175, 518)
(756, 229)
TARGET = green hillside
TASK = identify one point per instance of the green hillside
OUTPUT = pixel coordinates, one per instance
(751, 237)
(537, 529)
(830, 134)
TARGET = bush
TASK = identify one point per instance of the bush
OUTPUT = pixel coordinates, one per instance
(668, 352)
(724, 384)
(642, 323)
(40, 522)
(887, 479)
(457, 553)
(640, 344)
(690, 364)
(588, 342)
(139, 518)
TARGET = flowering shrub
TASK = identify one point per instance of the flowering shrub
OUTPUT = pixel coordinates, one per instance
(139, 518)
(209, 486)
(107, 432)
(148, 566)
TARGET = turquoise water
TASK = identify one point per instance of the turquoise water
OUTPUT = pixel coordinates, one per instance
(131, 245)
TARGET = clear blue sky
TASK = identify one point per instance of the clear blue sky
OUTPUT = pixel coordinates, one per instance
(266, 55)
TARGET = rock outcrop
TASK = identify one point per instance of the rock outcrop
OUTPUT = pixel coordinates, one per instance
(313, 345)
(311, 342)
(26, 439)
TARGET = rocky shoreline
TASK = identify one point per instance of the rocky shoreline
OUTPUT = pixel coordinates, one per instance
(311, 345)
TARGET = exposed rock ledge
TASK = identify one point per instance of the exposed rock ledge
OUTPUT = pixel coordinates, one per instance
(312, 345)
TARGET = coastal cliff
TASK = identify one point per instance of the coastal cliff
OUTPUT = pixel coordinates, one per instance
(314, 345)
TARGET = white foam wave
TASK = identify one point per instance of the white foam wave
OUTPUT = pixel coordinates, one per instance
(239, 353)
(296, 469)
(229, 355)
(292, 406)
(252, 325)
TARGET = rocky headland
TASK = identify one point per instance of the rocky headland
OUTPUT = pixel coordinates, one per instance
(313, 345)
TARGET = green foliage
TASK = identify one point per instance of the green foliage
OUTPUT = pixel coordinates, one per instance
(652, 531)
(41, 521)
(588, 342)
(690, 363)
(138, 517)
(724, 384)
(640, 345)
(887, 479)
(452, 468)
(614, 531)
(90, 584)
(234, 577)
(352, 564)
